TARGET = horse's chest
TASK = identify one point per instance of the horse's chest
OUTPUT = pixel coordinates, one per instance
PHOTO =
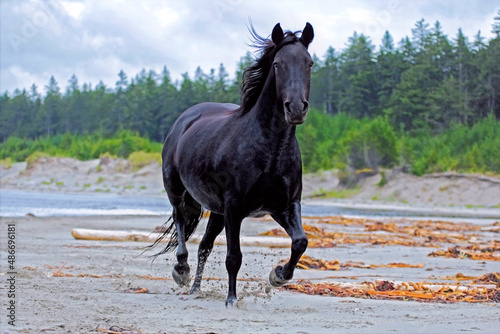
(273, 193)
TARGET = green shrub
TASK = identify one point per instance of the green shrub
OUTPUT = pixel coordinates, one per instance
(326, 142)
(383, 179)
(371, 146)
(6, 163)
(86, 147)
(35, 156)
(141, 159)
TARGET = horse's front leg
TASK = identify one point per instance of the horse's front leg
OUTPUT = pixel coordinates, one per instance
(232, 223)
(291, 221)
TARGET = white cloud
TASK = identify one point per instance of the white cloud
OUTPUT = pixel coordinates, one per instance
(22, 79)
(74, 9)
(167, 16)
(357, 15)
(98, 42)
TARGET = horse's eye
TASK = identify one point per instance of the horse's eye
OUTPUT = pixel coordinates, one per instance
(276, 66)
(311, 64)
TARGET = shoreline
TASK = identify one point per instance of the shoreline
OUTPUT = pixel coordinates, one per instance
(115, 176)
(102, 204)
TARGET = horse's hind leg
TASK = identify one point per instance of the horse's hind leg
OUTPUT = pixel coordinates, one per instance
(215, 226)
(180, 272)
(186, 214)
(291, 221)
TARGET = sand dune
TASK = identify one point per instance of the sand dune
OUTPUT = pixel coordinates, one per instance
(118, 177)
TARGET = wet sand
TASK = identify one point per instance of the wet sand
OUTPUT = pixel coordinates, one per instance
(79, 286)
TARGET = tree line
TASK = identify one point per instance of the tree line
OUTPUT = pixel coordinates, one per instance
(426, 82)
(147, 104)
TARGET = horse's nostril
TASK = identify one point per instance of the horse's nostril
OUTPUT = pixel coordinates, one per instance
(306, 105)
(287, 106)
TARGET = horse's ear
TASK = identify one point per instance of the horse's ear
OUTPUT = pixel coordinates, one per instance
(307, 35)
(277, 35)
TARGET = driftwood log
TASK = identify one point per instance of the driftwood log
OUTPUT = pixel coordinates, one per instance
(140, 236)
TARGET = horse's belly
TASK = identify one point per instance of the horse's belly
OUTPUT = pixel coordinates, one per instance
(261, 200)
(208, 194)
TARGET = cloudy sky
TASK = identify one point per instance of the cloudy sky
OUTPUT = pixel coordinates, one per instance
(95, 39)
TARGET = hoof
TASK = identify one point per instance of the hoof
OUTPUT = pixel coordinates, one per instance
(230, 301)
(274, 279)
(181, 279)
(194, 290)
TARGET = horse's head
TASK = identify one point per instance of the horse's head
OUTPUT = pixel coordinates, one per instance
(292, 70)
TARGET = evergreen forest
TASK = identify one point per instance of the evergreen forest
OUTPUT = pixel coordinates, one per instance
(429, 102)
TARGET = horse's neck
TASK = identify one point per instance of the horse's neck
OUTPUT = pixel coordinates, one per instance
(269, 115)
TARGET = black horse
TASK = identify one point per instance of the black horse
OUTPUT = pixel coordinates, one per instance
(240, 161)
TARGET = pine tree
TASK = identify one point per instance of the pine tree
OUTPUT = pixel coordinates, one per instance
(326, 91)
(52, 108)
(203, 85)
(358, 74)
(116, 119)
(440, 51)
(333, 93)
(420, 36)
(390, 65)
(234, 89)
(5, 117)
(496, 25)
(462, 64)
(494, 64)
(35, 110)
(221, 84)
(169, 105)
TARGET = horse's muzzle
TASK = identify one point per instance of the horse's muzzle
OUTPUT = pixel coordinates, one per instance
(296, 112)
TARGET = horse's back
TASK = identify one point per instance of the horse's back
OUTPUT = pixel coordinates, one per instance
(206, 109)
(193, 114)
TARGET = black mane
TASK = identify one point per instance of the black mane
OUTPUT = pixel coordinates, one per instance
(255, 76)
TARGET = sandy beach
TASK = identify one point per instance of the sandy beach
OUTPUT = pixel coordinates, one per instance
(82, 286)
(65, 285)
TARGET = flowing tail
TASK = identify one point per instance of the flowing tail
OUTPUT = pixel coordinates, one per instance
(170, 233)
